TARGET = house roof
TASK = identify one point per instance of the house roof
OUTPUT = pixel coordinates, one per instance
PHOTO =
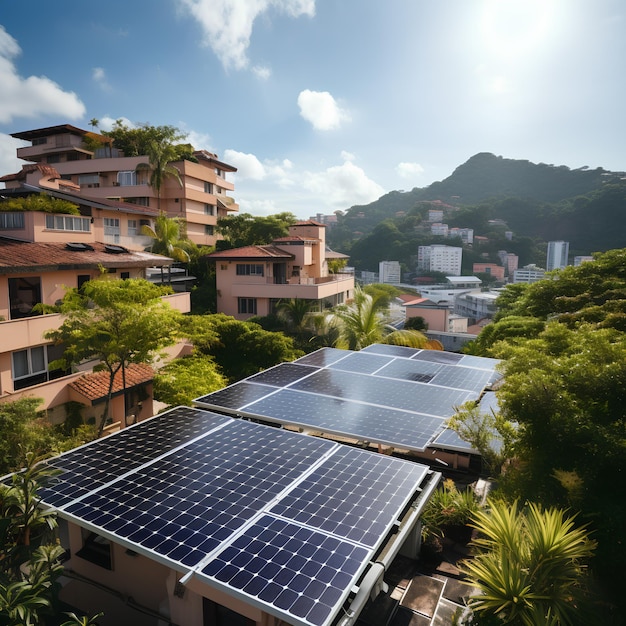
(95, 385)
(309, 223)
(23, 256)
(296, 239)
(29, 135)
(251, 252)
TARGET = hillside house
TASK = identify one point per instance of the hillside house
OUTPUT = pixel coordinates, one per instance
(252, 280)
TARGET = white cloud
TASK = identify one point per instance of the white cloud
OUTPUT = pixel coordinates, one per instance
(321, 109)
(100, 78)
(9, 163)
(106, 122)
(409, 170)
(262, 72)
(347, 156)
(248, 166)
(32, 96)
(227, 24)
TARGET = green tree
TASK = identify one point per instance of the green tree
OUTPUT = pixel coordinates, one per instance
(530, 566)
(136, 141)
(295, 312)
(167, 240)
(249, 230)
(160, 156)
(117, 322)
(183, 380)
(40, 202)
(240, 348)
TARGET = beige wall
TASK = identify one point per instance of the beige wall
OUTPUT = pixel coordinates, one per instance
(437, 319)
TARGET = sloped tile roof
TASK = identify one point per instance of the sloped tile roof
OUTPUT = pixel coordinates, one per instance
(22, 256)
(296, 238)
(251, 252)
(95, 385)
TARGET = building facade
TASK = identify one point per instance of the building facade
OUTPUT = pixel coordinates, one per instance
(252, 280)
(439, 258)
(558, 252)
(105, 173)
(389, 272)
(528, 274)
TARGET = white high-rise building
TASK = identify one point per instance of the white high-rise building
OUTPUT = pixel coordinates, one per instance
(438, 258)
(558, 252)
(389, 272)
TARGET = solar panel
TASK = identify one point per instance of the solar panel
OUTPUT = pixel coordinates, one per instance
(409, 369)
(398, 394)
(323, 357)
(88, 467)
(450, 358)
(287, 521)
(360, 362)
(283, 374)
(390, 350)
(235, 396)
(367, 422)
(462, 378)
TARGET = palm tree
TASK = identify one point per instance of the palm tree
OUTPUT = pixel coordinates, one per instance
(530, 565)
(160, 156)
(363, 322)
(167, 240)
(295, 312)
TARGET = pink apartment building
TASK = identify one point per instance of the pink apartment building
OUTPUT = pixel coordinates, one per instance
(105, 173)
(252, 280)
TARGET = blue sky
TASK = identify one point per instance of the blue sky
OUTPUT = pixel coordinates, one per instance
(323, 104)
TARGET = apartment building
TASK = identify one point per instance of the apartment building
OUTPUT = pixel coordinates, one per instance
(440, 258)
(497, 271)
(105, 173)
(389, 272)
(528, 274)
(557, 255)
(252, 280)
(41, 255)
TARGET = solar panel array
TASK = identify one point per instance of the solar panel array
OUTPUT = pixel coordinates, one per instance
(385, 394)
(282, 520)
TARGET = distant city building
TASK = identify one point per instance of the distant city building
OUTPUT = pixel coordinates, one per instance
(466, 234)
(369, 278)
(439, 258)
(389, 272)
(476, 305)
(492, 269)
(578, 260)
(435, 215)
(508, 234)
(558, 252)
(437, 228)
(528, 274)
(327, 220)
(509, 260)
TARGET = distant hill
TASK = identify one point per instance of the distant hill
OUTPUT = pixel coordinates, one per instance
(538, 202)
(487, 176)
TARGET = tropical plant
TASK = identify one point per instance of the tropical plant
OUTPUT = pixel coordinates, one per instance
(167, 240)
(117, 322)
(160, 156)
(530, 565)
(41, 202)
(295, 312)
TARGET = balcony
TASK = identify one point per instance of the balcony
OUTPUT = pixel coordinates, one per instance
(304, 288)
(26, 332)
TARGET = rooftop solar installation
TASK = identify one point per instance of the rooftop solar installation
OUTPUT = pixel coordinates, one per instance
(385, 394)
(285, 521)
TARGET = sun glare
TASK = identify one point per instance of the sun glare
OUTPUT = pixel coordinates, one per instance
(516, 27)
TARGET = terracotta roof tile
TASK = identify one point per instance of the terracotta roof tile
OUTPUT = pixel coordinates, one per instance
(21, 256)
(95, 385)
(251, 252)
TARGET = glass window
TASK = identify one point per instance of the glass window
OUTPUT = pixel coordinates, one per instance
(246, 305)
(89, 179)
(132, 228)
(208, 187)
(248, 269)
(11, 220)
(67, 222)
(209, 209)
(24, 294)
(209, 230)
(127, 178)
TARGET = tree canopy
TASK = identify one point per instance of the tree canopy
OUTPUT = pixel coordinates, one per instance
(117, 322)
(249, 230)
(39, 202)
(138, 140)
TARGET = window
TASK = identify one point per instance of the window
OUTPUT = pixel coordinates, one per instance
(132, 228)
(139, 200)
(112, 228)
(209, 209)
(127, 178)
(9, 221)
(246, 305)
(124, 275)
(24, 294)
(209, 230)
(39, 141)
(90, 180)
(247, 269)
(68, 222)
(53, 158)
(208, 187)
(30, 366)
(81, 279)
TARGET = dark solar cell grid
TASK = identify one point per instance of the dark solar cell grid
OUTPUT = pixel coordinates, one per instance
(92, 466)
(304, 574)
(354, 494)
(457, 377)
(390, 350)
(410, 369)
(323, 357)
(387, 392)
(450, 439)
(360, 362)
(480, 362)
(437, 356)
(235, 396)
(198, 496)
(282, 375)
(361, 421)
